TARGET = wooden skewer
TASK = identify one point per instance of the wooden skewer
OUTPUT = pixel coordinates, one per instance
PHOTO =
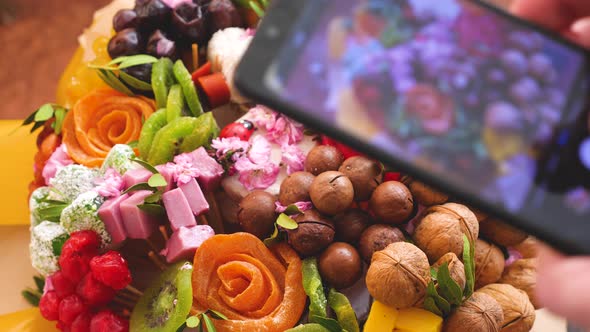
(133, 290)
(215, 219)
(125, 303)
(128, 296)
(164, 232)
(195, 53)
(203, 219)
(156, 260)
(152, 245)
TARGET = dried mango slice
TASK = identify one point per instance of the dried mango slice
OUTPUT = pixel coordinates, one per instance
(257, 288)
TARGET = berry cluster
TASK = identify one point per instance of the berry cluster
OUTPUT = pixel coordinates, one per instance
(86, 283)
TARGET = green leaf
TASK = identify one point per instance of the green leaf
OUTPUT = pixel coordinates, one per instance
(312, 285)
(114, 82)
(134, 82)
(44, 113)
(52, 212)
(29, 118)
(448, 288)
(157, 180)
(58, 243)
(145, 165)
(154, 198)
(133, 60)
(344, 311)
(292, 209)
(60, 115)
(330, 324)
(153, 209)
(257, 9)
(430, 305)
(311, 327)
(133, 144)
(286, 222)
(216, 314)
(139, 186)
(40, 283)
(193, 321)
(433, 273)
(273, 238)
(442, 304)
(469, 263)
(209, 324)
(32, 297)
(36, 126)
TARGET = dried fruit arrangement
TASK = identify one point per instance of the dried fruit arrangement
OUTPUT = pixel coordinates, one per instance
(165, 201)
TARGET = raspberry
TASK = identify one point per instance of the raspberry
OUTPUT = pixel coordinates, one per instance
(62, 285)
(81, 323)
(63, 327)
(69, 308)
(74, 265)
(111, 269)
(108, 321)
(49, 306)
(82, 242)
(94, 292)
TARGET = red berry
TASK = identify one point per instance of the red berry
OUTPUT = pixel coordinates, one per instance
(62, 285)
(82, 242)
(69, 308)
(49, 306)
(111, 269)
(108, 321)
(346, 151)
(81, 323)
(74, 265)
(63, 327)
(242, 130)
(392, 176)
(94, 292)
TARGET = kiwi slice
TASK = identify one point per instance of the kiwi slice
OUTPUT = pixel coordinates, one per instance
(162, 80)
(206, 128)
(175, 103)
(167, 141)
(183, 77)
(165, 305)
(150, 127)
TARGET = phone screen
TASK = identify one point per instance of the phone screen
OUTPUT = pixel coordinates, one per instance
(455, 88)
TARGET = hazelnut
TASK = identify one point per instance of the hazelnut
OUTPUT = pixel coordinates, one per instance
(323, 158)
(522, 274)
(456, 268)
(501, 233)
(528, 247)
(257, 213)
(350, 225)
(331, 192)
(392, 202)
(398, 275)
(519, 313)
(478, 313)
(295, 188)
(424, 194)
(365, 175)
(228, 208)
(376, 238)
(441, 230)
(315, 232)
(489, 263)
(340, 265)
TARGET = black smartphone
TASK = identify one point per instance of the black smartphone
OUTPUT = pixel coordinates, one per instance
(457, 93)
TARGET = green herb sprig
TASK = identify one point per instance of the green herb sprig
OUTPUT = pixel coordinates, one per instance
(206, 318)
(156, 183)
(258, 6)
(284, 222)
(33, 295)
(113, 75)
(45, 113)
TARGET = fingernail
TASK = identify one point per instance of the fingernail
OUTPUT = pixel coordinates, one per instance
(582, 27)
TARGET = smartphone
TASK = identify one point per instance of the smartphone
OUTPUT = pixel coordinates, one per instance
(457, 93)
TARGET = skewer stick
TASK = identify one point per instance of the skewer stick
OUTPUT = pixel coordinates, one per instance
(125, 303)
(203, 219)
(215, 219)
(164, 232)
(195, 54)
(156, 260)
(133, 290)
(128, 296)
(152, 245)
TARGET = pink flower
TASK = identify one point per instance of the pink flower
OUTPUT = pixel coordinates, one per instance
(302, 206)
(48, 287)
(110, 185)
(184, 169)
(262, 117)
(513, 256)
(260, 150)
(280, 129)
(256, 176)
(175, 3)
(226, 145)
(58, 159)
(293, 157)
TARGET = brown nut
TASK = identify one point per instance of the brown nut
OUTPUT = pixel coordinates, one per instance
(257, 213)
(501, 233)
(340, 265)
(398, 275)
(528, 247)
(456, 268)
(365, 175)
(489, 263)
(378, 237)
(424, 194)
(313, 234)
(478, 313)
(522, 274)
(392, 202)
(323, 158)
(350, 225)
(228, 208)
(295, 188)
(331, 192)
(519, 313)
(441, 230)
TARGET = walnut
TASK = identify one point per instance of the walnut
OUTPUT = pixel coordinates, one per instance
(479, 313)
(441, 230)
(489, 263)
(519, 313)
(501, 233)
(522, 274)
(456, 268)
(528, 247)
(424, 194)
(398, 275)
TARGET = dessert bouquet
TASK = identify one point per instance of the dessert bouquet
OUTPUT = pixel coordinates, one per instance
(163, 200)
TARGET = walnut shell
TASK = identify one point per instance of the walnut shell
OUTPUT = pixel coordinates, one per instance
(519, 313)
(424, 194)
(501, 233)
(479, 313)
(392, 202)
(456, 267)
(489, 263)
(522, 274)
(528, 247)
(398, 275)
(441, 230)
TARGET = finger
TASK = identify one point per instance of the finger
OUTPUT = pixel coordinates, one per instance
(580, 31)
(554, 14)
(562, 285)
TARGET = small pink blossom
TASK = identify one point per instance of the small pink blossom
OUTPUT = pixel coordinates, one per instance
(110, 185)
(302, 206)
(262, 117)
(58, 159)
(249, 33)
(293, 157)
(285, 131)
(48, 287)
(260, 150)
(225, 145)
(513, 256)
(256, 176)
(184, 169)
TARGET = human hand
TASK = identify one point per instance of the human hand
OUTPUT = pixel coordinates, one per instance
(569, 17)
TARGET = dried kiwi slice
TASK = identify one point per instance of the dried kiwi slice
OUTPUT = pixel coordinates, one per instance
(175, 103)
(165, 305)
(162, 80)
(206, 129)
(167, 141)
(150, 127)
(183, 77)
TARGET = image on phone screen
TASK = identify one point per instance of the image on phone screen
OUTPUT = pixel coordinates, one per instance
(460, 91)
